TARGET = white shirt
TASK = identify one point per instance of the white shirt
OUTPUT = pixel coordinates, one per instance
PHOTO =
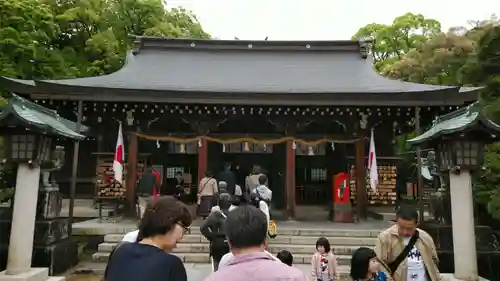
(416, 268)
(131, 236)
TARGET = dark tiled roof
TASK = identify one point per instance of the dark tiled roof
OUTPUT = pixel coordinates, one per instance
(463, 119)
(38, 117)
(267, 67)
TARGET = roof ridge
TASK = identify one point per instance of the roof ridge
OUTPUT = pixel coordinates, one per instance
(36, 106)
(148, 42)
(456, 113)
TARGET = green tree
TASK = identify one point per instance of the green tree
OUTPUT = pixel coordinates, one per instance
(463, 57)
(54, 39)
(437, 61)
(27, 30)
(392, 42)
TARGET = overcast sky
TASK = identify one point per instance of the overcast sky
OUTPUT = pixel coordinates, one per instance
(323, 19)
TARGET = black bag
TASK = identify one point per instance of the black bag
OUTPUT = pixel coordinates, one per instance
(393, 266)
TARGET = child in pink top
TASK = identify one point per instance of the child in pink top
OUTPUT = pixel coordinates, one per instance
(324, 262)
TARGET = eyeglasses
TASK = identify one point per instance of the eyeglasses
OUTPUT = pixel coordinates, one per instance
(186, 229)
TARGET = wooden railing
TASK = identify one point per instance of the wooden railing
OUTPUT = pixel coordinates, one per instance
(313, 194)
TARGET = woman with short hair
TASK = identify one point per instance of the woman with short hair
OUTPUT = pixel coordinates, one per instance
(163, 225)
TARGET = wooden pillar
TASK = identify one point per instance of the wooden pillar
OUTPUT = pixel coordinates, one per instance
(361, 196)
(202, 160)
(130, 182)
(290, 180)
(420, 178)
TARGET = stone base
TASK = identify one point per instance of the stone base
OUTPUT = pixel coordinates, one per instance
(34, 274)
(451, 277)
(46, 231)
(57, 258)
(343, 216)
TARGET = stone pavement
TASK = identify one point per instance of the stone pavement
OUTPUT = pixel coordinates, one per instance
(195, 272)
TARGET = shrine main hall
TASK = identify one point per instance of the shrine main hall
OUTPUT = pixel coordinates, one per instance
(301, 110)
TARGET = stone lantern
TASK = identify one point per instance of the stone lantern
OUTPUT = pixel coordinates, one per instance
(459, 138)
(28, 130)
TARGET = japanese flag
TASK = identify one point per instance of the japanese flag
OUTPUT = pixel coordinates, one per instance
(372, 165)
(118, 164)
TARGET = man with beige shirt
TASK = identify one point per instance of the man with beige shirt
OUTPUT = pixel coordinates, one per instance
(409, 252)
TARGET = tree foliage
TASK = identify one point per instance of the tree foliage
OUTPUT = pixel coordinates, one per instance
(393, 42)
(52, 39)
(461, 56)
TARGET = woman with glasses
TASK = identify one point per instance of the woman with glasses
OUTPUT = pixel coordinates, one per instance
(163, 225)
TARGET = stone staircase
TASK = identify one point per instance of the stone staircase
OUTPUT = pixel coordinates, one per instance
(194, 248)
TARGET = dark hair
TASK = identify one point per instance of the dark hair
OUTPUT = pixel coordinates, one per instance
(262, 179)
(246, 226)
(235, 200)
(208, 173)
(322, 241)
(360, 261)
(161, 216)
(285, 257)
(407, 213)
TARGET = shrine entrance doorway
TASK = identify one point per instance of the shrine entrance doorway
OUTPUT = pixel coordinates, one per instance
(272, 162)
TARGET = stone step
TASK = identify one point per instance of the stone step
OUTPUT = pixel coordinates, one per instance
(204, 258)
(300, 232)
(280, 239)
(274, 248)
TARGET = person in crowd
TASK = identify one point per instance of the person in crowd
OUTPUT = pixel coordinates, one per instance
(262, 195)
(223, 187)
(365, 266)
(178, 191)
(246, 231)
(285, 257)
(228, 176)
(163, 225)
(409, 252)
(207, 192)
(147, 186)
(324, 262)
(252, 180)
(213, 229)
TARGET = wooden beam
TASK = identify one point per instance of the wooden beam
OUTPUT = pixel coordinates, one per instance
(362, 200)
(290, 180)
(202, 160)
(131, 175)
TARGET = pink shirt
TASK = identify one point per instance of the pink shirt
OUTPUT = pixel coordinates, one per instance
(256, 266)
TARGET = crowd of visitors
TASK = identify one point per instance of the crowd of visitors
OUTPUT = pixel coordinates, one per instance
(239, 234)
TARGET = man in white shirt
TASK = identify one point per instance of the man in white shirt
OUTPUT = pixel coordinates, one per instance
(418, 263)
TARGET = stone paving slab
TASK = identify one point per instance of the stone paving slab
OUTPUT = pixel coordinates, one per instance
(121, 226)
(280, 239)
(195, 271)
(204, 258)
(274, 248)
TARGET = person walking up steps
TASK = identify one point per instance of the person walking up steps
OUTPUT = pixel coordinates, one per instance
(324, 262)
(213, 230)
(246, 231)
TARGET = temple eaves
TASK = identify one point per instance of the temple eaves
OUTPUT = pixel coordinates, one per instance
(463, 119)
(39, 117)
(309, 72)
